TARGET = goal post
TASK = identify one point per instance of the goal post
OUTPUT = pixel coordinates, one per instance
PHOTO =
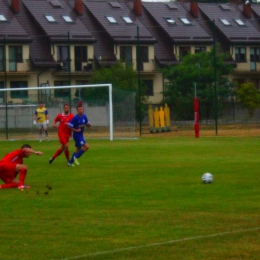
(110, 110)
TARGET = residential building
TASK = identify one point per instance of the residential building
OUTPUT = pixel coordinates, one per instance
(60, 42)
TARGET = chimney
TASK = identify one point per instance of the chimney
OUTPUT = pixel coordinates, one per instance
(138, 7)
(15, 5)
(194, 9)
(78, 6)
(247, 9)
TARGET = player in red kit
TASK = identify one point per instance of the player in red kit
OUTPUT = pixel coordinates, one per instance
(12, 164)
(64, 132)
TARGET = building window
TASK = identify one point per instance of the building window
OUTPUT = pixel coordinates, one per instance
(111, 19)
(185, 21)
(225, 22)
(184, 51)
(126, 54)
(62, 53)
(199, 49)
(144, 53)
(240, 22)
(148, 87)
(15, 56)
(240, 54)
(144, 57)
(81, 55)
(254, 57)
(79, 91)
(62, 92)
(16, 53)
(127, 19)
(50, 18)
(67, 19)
(19, 93)
(62, 56)
(169, 20)
(1, 58)
(2, 18)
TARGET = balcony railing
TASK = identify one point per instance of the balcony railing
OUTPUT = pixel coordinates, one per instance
(26, 65)
(15, 66)
(250, 66)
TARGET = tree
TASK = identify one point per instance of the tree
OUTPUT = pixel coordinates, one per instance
(197, 69)
(121, 77)
(249, 97)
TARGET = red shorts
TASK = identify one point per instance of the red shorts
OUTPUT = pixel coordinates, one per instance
(64, 139)
(7, 171)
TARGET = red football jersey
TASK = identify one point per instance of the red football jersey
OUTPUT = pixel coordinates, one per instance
(64, 120)
(14, 157)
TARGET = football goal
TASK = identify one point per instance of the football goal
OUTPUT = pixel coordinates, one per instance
(110, 110)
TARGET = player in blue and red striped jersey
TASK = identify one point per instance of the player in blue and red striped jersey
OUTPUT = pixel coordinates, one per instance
(12, 164)
(77, 125)
(64, 132)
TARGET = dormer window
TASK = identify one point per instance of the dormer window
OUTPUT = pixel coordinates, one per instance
(225, 7)
(115, 4)
(50, 18)
(185, 21)
(172, 6)
(111, 19)
(55, 3)
(127, 19)
(225, 22)
(169, 20)
(67, 19)
(2, 18)
(240, 22)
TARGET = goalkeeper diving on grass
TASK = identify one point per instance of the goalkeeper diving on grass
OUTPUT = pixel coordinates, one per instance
(12, 164)
(77, 125)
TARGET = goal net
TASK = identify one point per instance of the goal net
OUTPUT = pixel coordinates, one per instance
(111, 111)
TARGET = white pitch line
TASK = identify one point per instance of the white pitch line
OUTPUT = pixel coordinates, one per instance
(161, 243)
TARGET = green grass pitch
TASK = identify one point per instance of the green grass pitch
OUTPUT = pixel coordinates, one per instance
(136, 199)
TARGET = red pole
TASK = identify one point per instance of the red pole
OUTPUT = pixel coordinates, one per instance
(196, 117)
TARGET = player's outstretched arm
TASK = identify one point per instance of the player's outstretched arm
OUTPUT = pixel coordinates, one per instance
(88, 124)
(29, 151)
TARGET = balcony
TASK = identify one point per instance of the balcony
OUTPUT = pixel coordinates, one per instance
(75, 67)
(251, 67)
(16, 67)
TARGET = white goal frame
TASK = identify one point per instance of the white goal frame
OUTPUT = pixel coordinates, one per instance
(111, 129)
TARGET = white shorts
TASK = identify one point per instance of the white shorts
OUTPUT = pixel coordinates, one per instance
(42, 125)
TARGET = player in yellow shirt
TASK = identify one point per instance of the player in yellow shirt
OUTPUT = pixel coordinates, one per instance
(41, 119)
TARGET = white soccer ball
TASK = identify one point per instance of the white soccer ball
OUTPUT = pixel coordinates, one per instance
(207, 178)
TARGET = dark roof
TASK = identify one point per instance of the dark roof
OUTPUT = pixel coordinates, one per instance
(58, 30)
(120, 32)
(11, 28)
(178, 32)
(233, 32)
(255, 20)
(103, 47)
(40, 47)
(163, 48)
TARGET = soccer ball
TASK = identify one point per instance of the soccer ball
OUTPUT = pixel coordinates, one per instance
(207, 178)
